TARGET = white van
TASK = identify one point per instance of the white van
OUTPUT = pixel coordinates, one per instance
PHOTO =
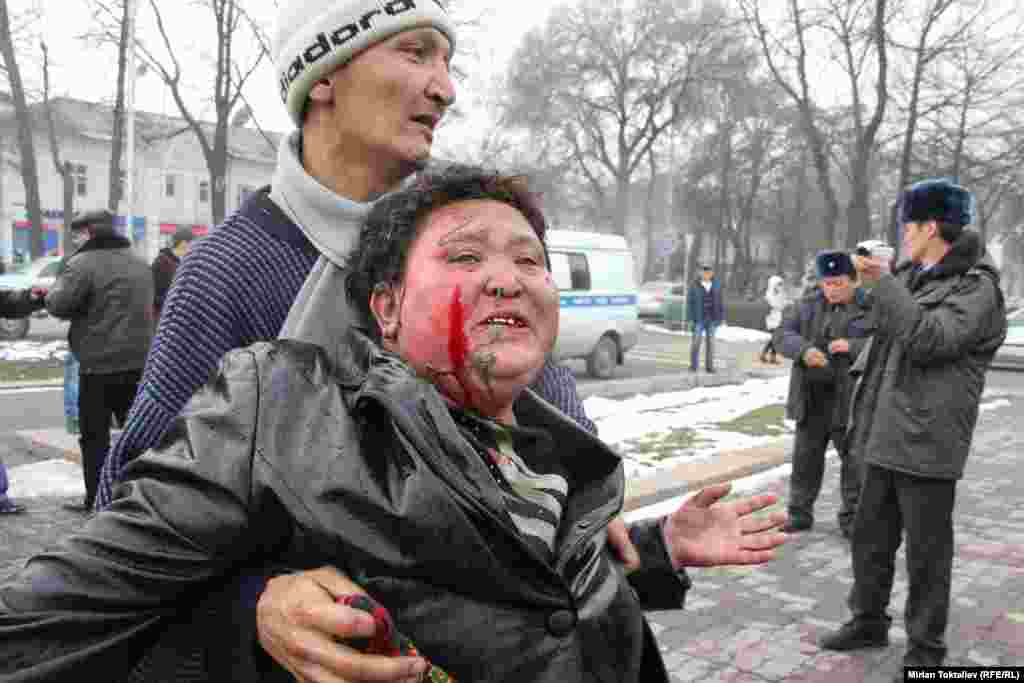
(599, 313)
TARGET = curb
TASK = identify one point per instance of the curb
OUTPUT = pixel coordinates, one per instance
(691, 476)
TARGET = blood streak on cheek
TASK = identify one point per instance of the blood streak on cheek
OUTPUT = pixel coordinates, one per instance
(458, 341)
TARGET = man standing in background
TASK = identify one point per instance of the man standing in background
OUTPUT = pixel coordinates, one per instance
(704, 313)
(821, 334)
(939, 320)
(166, 263)
(107, 294)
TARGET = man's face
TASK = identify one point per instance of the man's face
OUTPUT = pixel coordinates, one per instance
(390, 98)
(707, 274)
(838, 289)
(80, 237)
(478, 310)
(916, 237)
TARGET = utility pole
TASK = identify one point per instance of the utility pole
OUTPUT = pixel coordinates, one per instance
(129, 175)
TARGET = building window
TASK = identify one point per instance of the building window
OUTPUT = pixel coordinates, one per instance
(170, 185)
(81, 175)
(570, 271)
(204, 191)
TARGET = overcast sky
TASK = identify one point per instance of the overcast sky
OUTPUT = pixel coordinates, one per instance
(81, 69)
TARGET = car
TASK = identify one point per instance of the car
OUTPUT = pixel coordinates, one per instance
(651, 295)
(597, 297)
(39, 273)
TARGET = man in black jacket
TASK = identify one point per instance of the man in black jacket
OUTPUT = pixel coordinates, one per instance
(16, 303)
(821, 335)
(166, 264)
(939, 320)
(107, 294)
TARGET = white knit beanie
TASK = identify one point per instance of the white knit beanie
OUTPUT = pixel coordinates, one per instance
(315, 37)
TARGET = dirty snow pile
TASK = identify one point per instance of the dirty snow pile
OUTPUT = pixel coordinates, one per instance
(727, 333)
(33, 351)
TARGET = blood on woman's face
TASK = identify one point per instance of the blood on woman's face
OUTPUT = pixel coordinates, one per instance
(477, 307)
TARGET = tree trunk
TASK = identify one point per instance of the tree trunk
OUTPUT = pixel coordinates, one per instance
(26, 145)
(69, 205)
(117, 137)
(621, 204)
(653, 257)
(821, 165)
(858, 210)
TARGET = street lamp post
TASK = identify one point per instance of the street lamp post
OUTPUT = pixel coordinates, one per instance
(129, 193)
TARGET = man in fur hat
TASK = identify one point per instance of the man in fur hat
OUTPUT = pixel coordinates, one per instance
(939, 320)
(821, 335)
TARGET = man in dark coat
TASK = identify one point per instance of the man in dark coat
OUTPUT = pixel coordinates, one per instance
(166, 263)
(16, 303)
(107, 294)
(940, 318)
(821, 335)
(704, 312)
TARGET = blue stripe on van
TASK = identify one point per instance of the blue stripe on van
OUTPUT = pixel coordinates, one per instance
(616, 300)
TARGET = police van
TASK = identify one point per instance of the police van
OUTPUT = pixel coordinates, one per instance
(599, 318)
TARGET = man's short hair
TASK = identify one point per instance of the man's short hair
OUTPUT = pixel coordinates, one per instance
(386, 237)
(182, 235)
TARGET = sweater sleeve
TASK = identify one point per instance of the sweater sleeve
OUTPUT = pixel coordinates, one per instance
(200, 322)
(557, 385)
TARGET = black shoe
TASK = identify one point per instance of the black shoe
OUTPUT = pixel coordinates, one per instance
(923, 657)
(12, 509)
(710, 371)
(693, 370)
(855, 635)
(77, 507)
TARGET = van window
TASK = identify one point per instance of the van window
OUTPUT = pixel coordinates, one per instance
(570, 271)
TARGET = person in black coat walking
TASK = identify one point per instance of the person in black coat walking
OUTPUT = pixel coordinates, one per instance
(166, 264)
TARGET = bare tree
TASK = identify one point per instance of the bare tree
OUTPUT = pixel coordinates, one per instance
(605, 83)
(229, 80)
(925, 50)
(62, 168)
(787, 61)
(26, 144)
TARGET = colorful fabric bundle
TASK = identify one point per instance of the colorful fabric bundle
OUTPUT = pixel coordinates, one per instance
(386, 639)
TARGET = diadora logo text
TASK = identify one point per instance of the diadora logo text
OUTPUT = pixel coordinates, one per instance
(326, 42)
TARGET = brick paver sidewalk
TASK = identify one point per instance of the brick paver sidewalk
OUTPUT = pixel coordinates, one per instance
(762, 624)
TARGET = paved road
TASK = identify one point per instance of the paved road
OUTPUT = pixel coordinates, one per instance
(745, 625)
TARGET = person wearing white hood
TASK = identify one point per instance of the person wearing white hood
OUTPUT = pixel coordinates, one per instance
(776, 297)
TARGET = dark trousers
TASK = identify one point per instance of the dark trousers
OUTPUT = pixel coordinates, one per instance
(890, 503)
(707, 331)
(99, 398)
(813, 435)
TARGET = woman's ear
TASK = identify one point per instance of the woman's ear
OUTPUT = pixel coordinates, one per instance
(386, 305)
(322, 91)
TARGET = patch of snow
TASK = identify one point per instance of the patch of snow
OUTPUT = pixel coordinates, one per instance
(57, 477)
(33, 350)
(727, 333)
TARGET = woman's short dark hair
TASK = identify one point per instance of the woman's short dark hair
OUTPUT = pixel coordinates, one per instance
(386, 237)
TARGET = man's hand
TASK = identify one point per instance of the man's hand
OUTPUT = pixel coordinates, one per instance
(39, 293)
(618, 539)
(839, 346)
(705, 533)
(301, 627)
(815, 358)
(870, 269)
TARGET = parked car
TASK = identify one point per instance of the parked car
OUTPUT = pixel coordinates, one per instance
(598, 298)
(651, 295)
(39, 273)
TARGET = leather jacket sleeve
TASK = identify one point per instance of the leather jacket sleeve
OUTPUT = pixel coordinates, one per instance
(657, 584)
(70, 293)
(18, 303)
(187, 515)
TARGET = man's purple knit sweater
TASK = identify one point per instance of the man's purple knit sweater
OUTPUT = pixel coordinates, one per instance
(235, 288)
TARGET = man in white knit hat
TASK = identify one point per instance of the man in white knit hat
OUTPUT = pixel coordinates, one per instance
(367, 83)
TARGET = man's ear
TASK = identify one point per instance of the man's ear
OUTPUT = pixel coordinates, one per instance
(386, 306)
(322, 91)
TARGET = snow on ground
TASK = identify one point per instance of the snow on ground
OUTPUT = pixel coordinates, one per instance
(630, 424)
(33, 350)
(57, 477)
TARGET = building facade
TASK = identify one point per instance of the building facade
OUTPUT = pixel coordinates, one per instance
(171, 187)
